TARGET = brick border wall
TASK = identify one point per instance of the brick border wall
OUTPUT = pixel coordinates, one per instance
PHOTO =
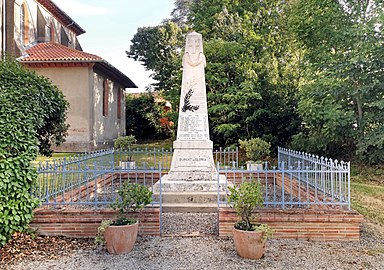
(83, 223)
(315, 225)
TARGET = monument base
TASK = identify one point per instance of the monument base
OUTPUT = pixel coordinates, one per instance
(192, 161)
(172, 185)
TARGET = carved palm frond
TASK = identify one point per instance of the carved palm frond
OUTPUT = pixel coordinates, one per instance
(187, 103)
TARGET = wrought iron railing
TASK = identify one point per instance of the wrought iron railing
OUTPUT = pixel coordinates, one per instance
(62, 177)
(93, 184)
(322, 174)
(299, 179)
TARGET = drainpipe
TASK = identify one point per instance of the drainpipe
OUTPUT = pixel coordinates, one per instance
(4, 30)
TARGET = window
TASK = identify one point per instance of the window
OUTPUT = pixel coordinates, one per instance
(64, 40)
(24, 26)
(105, 97)
(119, 94)
(51, 32)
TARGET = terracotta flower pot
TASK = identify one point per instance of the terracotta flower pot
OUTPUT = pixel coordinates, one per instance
(121, 239)
(249, 244)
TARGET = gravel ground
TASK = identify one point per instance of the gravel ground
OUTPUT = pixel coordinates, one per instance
(211, 252)
(190, 224)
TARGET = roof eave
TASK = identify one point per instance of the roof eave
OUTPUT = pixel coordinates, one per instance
(62, 16)
(116, 74)
(102, 64)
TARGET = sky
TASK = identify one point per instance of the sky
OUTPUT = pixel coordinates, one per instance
(110, 26)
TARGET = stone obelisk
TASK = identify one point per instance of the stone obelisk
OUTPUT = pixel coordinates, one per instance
(192, 165)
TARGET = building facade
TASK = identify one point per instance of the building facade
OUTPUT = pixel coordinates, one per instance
(44, 38)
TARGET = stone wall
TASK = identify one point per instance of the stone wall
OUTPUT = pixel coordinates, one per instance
(83, 223)
(305, 224)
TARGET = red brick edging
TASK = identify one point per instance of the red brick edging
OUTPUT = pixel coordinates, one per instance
(84, 222)
(317, 225)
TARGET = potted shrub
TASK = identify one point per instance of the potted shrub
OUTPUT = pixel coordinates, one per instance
(256, 150)
(249, 238)
(119, 235)
(124, 143)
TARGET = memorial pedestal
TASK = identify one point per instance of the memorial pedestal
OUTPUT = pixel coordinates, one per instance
(192, 169)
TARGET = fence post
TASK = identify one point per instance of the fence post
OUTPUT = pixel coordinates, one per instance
(282, 185)
(218, 185)
(349, 184)
(113, 159)
(95, 177)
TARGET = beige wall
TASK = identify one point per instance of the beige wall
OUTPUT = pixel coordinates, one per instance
(75, 84)
(83, 88)
(107, 128)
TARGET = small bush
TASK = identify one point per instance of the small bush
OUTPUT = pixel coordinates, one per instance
(124, 142)
(133, 197)
(256, 149)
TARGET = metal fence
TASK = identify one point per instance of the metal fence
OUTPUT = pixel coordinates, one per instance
(323, 175)
(299, 180)
(90, 180)
(93, 178)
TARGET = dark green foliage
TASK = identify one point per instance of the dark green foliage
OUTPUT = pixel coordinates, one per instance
(341, 97)
(306, 70)
(252, 69)
(143, 117)
(31, 111)
(251, 72)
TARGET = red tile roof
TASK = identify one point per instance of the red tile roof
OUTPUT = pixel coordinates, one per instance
(61, 16)
(49, 52)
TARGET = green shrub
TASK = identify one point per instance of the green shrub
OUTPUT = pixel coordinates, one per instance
(256, 149)
(124, 142)
(244, 199)
(32, 115)
(17, 150)
(133, 197)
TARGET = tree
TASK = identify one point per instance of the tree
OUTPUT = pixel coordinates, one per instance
(251, 73)
(48, 105)
(180, 13)
(341, 97)
(32, 114)
(159, 49)
(143, 117)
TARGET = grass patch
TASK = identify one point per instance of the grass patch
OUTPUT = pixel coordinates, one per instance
(41, 158)
(365, 174)
(166, 144)
(367, 192)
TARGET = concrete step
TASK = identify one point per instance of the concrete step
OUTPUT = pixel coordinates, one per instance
(190, 197)
(190, 207)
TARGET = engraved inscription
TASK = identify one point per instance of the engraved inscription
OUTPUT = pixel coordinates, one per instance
(193, 127)
(193, 159)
